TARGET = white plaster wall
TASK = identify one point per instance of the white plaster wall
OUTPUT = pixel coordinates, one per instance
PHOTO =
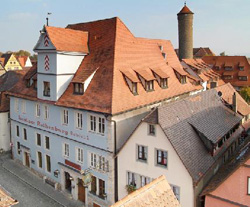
(175, 173)
(68, 63)
(87, 82)
(62, 83)
(28, 63)
(40, 44)
(4, 132)
(52, 62)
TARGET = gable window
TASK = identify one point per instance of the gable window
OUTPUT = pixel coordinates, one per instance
(65, 117)
(38, 139)
(164, 82)
(176, 191)
(39, 159)
(46, 88)
(17, 131)
(161, 157)
(47, 144)
(92, 123)
(142, 153)
(101, 125)
(79, 155)
(46, 112)
(131, 179)
(150, 85)
(78, 88)
(134, 88)
(102, 188)
(78, 120)
(38, 110)
(66, 150)
(151, 129)
(24, 134)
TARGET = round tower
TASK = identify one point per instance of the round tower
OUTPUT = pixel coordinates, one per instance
(185, 26)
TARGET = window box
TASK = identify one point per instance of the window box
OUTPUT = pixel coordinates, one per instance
(130, 188)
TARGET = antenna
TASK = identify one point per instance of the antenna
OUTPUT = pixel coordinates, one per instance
(185, 3)
(47, 18)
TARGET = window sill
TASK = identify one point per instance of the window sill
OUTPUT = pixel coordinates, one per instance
(162, 166)
(142, 160)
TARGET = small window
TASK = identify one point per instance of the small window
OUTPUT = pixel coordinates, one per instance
(162, 158)
(150, 85)
(40, 159)
(92, 123)
(46, 88)
(142, 153)
(131, 179)
(183, 79)
(47, 143)
(65, 117)
(17, 131)
(48, 163)
(18, 148)
(102, 189)
(93, 185)
(101, 125)
(24, 134)
(93, 160)
(144, 180)
(66, 150)
(151, 129)
(164, 55)
(243, 78)
(79, 155)
(164, 82)
(228, 68)
(78, 120)
(134, 88)
(176, 191)
(46, 112)
(38, 110)
(78, 88)
(38, 139)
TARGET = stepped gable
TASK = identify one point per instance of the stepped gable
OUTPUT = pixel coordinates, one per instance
(114, 50)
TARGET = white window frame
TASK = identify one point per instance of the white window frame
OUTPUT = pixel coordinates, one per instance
(23, 106)
(138, 148)
(176, 193)
(149, 129)
(38, 110)
(156, 158)
(16, 105)
(78, 120)
(96, 124)
(92, 123)
(144, 180)
(79, 154)
(131, 179)
(46, 112)
(101, 125)
(65, 117)
(66, 151)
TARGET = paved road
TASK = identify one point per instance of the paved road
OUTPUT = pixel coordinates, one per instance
(27, 188)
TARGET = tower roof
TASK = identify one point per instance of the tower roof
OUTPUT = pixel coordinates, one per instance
(185, 10)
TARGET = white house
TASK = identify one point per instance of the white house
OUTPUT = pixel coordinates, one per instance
(187, 141)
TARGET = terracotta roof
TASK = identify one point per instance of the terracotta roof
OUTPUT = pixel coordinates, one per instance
(156, 193)
(160, 72)
(6, 200)
(31, 72)
(233, 60)
(68, 40)
(146, 74)
(185, 10)
(243, 73)
(200, 52)
(131, 75)
(227, 95)
(113, 48)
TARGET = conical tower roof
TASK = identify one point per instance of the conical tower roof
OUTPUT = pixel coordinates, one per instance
(185, 10)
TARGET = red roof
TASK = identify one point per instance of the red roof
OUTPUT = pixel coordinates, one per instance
(185, 10)
(68, 40)
(113, 50)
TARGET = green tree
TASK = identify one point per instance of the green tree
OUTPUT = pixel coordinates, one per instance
(22, 53)
(245, 93)
(223, 54)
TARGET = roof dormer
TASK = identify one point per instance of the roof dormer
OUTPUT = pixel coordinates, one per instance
(147, 79)
(161, 77)
(131, 80)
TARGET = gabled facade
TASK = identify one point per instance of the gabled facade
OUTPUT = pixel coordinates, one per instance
(24, 61)
(187, 141)
(10, 62)
(92, 85)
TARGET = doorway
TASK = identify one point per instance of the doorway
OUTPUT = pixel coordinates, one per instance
(27, 159)
(81, 191)
(68, 186)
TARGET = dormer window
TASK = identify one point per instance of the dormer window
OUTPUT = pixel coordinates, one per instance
(150, 85)
(134, 88)
(78, 88)
(183, 79)
(164, 55)
(228, 68)
(161, 47)
(46, 88)
(241, 68)
(164, 82)
(243, 78)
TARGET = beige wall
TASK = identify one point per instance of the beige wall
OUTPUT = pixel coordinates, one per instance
(175, 173)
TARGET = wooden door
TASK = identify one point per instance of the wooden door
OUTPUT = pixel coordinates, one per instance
(81, 191)
(67, 182)
(27, 159)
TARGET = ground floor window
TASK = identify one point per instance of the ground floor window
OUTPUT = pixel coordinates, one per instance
(102, 188)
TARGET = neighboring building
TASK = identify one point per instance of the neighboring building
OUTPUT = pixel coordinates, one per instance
(185, 31)
(2, 70)
(7, 81)
(201, 73)
(24, 61)
(199, 52)
(231, 185)
(6, 200)
(187, 141)
(233, 69)
(156, 193)
(93, 84)
(10, 62)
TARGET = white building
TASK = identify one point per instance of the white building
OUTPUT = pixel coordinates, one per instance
(187, 141)
(93, 84)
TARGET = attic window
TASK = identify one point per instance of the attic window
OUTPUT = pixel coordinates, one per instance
(150, 85)
(183, 79)
(243, 78)
(78, 88)
(164, 83)
(241, 68)
(228, 68)
(164, 55)
(161, 47)
(134, 88)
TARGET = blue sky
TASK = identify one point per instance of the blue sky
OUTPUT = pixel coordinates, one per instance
(222, 25)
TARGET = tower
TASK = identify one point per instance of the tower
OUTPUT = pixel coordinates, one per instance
(185, 26)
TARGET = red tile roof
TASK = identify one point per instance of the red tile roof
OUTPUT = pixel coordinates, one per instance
(113, 50)
(68, 40)
(234, 61)
(185, 10)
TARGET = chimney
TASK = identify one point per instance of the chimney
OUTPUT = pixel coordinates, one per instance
(185, 27)
(235, 102)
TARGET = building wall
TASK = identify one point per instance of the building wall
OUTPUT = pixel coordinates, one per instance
(4, 131)
(127, 161)
(234, 189)
(214, 202)
(13, 64)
